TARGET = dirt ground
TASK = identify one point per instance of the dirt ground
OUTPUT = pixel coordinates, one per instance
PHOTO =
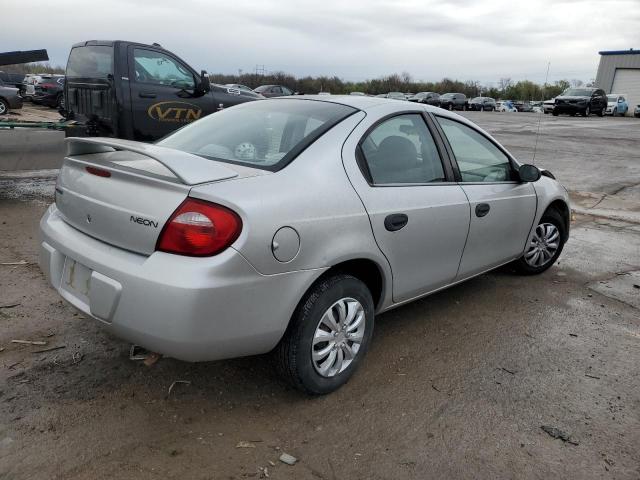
(457, 385)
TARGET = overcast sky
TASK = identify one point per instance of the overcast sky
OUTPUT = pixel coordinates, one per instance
(354, 39)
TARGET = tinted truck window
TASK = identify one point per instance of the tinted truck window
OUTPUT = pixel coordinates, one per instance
(93, 61)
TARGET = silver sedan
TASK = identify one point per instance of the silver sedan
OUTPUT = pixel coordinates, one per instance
(286, 225)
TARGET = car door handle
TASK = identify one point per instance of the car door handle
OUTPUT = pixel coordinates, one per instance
(147, 95)
(482, 209)
(395, 221)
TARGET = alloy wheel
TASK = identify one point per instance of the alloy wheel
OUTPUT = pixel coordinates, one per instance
(338, 337)
(3, 108)
(543, 246)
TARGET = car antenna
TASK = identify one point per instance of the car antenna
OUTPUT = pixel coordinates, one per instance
(535, 147)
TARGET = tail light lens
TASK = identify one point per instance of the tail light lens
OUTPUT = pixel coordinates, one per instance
(199, 229)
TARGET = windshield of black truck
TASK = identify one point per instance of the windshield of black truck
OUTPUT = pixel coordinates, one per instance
(93, 61)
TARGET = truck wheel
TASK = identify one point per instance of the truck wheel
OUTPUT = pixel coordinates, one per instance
(328, 336)
(4, 107)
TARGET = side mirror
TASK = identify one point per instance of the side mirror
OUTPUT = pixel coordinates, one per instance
(203, 85)
(529, 173)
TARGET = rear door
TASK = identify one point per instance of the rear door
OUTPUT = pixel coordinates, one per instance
(419, 215)
(502, 207)
(162, 93)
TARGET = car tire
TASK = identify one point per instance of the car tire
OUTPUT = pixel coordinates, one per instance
(554, 113)
(481, 108)
(586, 112)
(4, 107)
(326, 371)
(615, 112)
(550, 229)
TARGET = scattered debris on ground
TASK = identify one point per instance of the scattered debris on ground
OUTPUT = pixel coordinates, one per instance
(288, 459)
(559, 434)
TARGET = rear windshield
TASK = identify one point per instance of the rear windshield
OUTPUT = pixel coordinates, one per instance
(266, 134)
(93, 61)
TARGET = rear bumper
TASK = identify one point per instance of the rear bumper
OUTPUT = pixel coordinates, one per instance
(193, 309)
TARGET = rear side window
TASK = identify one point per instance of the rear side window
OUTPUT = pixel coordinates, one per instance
(265, 134)
(93, 61)
(479, 160)
(402, 150)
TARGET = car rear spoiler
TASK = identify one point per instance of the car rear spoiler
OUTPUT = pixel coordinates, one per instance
(190, 169)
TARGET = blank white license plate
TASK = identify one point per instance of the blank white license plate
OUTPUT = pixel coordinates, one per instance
(76, 279)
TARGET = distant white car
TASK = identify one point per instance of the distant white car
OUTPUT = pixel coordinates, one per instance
(505, 107)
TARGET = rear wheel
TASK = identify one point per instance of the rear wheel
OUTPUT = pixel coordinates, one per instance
(4, 107)
(328, 336)
(545, 245)
(555, 114)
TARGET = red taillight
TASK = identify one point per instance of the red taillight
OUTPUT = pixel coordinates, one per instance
(199, 229)
(98, 171)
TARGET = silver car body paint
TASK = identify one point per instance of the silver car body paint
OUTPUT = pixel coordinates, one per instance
(240, 301)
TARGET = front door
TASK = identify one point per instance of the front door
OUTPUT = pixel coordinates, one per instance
(162, 94)
(502, 207)
(419, 215)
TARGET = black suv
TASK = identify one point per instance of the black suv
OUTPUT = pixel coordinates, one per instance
(453, 101)
(481, 104)
(581, 100)
(430, 98)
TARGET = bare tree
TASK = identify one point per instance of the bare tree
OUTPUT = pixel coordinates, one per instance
(576, 82)
(504, 83)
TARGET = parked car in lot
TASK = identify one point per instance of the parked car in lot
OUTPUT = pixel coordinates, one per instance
(239, 86)
(548, 105)
(430, 98)
(523, 106)
(453, 101)
(636, 111)
(481, 104)
(271, 91)
(10, 98)
(617, 104)
(167, 246)
(396, 96)
(358, 94)
(505, 106)
(584, 101)
(139, 92)
(50, 92)
(13, 80)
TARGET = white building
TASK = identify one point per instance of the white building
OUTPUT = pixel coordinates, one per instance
(619, 72)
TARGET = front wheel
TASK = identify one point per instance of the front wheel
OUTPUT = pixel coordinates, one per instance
(4, 107)
(545, 246)
(586, 112)
(328, 336)
(554, 113)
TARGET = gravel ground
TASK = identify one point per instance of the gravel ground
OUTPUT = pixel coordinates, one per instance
(457, 385)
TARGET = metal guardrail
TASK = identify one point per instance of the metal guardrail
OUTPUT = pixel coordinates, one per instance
(42, 125)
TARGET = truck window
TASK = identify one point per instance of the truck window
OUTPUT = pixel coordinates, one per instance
(92, 61)
(159, 69)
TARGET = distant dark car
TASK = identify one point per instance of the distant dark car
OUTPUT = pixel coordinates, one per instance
(12, 79)
(481, 104)
(523, 106)
(430, 98)
(50, 92)
(453, 101)
(636, 111)
(270, 91)
(584, 101)
(9, 98)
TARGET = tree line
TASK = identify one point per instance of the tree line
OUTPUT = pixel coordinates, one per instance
(403, 82)
(506, 89)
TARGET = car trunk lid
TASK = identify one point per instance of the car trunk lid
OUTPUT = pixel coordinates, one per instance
(123, 192)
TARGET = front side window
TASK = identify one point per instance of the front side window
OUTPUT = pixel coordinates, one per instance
(267, 134)
(479, 160)
(402, 150)
(160, 69)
